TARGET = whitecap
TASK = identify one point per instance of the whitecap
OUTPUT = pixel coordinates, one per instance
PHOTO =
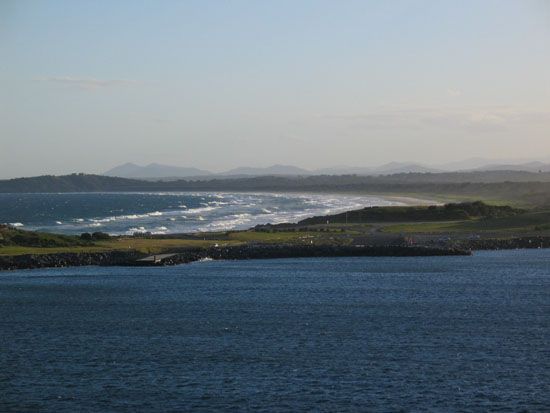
(136, 229)
(99, 220)
(16, 224)
(237, 220)
(200, 210)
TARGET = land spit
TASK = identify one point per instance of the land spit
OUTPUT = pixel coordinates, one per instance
(239, 252)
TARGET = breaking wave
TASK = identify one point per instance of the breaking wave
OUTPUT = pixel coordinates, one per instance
(172, 212)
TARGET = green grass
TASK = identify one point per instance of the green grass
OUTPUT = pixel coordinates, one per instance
(271, 237)
(531, 221)
(423, 227)
(526, 221)
(156, 245)
(19, 250)
(13, 236)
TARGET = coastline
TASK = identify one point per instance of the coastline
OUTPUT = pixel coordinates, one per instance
(450, 229)
(187, 211)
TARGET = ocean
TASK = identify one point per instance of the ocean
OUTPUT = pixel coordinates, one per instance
(325, 334)
(169, 212)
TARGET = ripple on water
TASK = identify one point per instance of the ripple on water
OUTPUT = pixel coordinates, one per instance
(338, 334)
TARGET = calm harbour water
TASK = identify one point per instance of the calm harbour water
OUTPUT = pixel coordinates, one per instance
(336, 334)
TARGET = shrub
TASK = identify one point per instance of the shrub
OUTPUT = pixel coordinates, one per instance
(100, 236)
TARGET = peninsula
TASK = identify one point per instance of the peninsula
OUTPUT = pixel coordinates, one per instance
(450, 229)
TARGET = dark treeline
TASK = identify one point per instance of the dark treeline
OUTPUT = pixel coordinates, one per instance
(447, 212)
(534, 191)
(13, 236)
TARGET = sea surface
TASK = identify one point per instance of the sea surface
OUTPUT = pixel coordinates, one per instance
(168, 212)
(434, 334)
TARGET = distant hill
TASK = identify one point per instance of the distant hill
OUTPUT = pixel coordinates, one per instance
(158, 171)
(154, 170)
(386, 169)
(403, 167)
(71, 183)
(484, 164)
(528, 166)
(522, 187)
(287, 170)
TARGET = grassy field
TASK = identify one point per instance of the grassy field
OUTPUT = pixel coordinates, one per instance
(531, 221)
(19, 250)
(158, 245)
(422, 227)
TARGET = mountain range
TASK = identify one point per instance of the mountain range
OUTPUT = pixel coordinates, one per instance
(154, 170)
(531, 188)
(160, 171)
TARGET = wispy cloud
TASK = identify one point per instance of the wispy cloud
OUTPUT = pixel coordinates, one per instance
(454, 92)
(86, 82)
(161, 120)
(473, 118)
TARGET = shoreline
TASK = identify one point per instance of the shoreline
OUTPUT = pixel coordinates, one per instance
(296, 216)
(374, 231)
(217, 223)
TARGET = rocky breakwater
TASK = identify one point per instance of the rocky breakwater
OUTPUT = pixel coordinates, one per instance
(17, 262)
(263, 251)
(505, 243)
(239, 252)
(269, 251)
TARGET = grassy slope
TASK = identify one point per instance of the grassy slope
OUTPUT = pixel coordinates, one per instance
(158, 245)
(532, 221)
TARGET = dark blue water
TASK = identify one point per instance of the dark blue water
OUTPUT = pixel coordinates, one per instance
(168, 212)
(339, 334)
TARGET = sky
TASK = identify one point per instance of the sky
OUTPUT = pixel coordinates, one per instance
(88, 85)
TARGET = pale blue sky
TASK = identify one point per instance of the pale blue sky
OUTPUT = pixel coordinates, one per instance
(87, 85)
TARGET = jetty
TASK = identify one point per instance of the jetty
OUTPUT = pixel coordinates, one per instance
(158, 259)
